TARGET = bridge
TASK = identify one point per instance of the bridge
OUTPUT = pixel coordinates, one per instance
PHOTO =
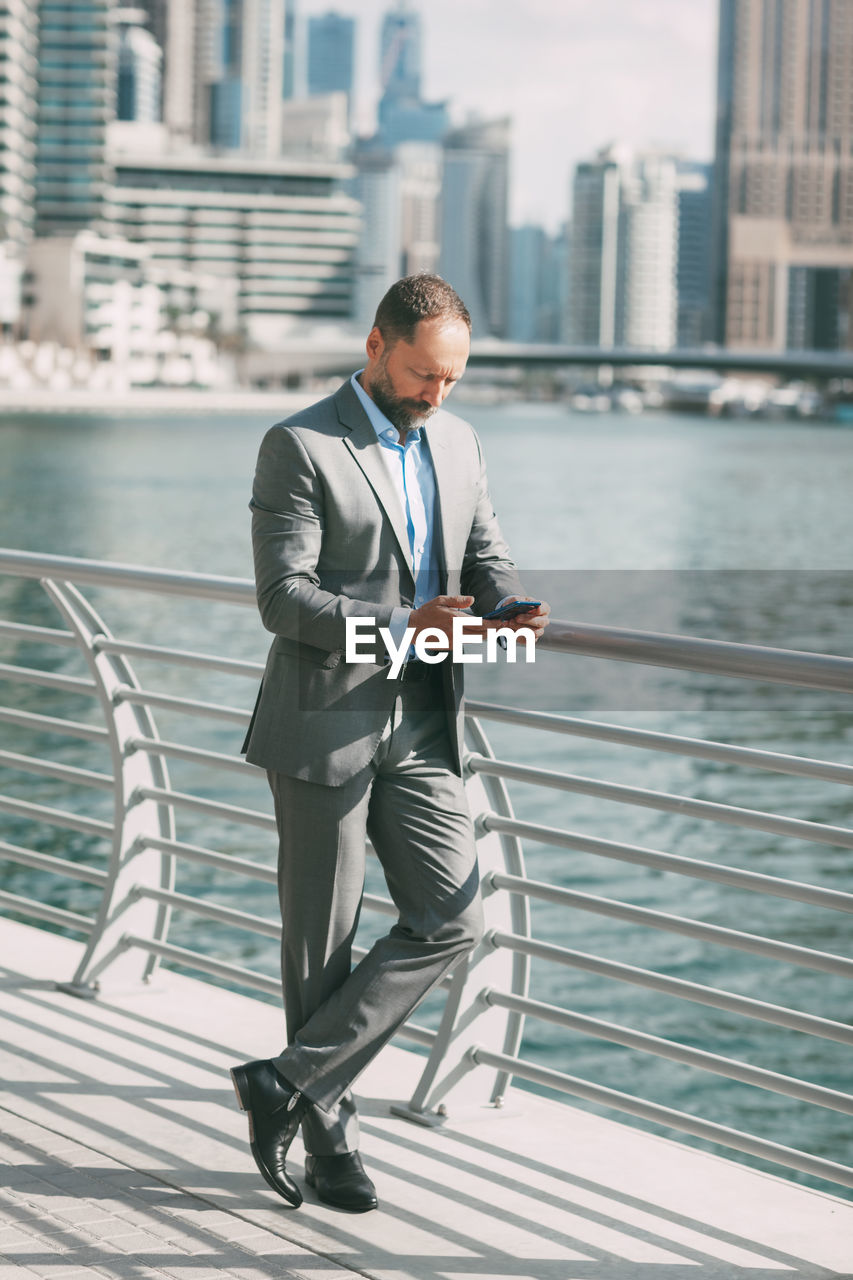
(339, 356)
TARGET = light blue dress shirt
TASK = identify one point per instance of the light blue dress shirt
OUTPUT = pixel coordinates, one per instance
(411, 471)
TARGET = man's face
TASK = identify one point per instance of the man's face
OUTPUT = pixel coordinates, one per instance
(409, 380)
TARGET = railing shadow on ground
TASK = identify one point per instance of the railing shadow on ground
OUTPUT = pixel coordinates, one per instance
(479, 1034)
(474, 1177)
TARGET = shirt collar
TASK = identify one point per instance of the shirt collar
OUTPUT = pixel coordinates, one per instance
(385, 430)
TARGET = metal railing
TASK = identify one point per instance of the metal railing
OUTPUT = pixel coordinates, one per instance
(487, 1000)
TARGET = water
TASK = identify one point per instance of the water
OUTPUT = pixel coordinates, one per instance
(734, 529)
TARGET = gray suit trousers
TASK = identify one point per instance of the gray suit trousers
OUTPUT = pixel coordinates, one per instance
(412, 805)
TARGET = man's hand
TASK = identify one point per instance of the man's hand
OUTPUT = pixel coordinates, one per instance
(438, 614)
(537, 620)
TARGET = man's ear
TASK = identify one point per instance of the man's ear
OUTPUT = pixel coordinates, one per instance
(375, 344)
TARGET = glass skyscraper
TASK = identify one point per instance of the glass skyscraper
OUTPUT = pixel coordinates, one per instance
(76, 98)
(403, 115)
(331, 55)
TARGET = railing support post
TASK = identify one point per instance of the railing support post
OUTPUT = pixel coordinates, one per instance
(107, 962)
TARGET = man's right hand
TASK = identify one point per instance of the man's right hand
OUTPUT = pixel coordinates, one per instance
(438, 615)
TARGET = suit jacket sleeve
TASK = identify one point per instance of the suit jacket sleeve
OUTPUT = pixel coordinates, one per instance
(287, 537)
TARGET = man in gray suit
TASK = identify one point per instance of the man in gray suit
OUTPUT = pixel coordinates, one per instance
(371, 504)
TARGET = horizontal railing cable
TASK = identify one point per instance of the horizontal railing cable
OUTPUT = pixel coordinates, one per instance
(214, 808)
(53, 724)
(60, 772)
(55, 817)
(208, 910)
(193, 755)
(707, 1130)
(650, 980)
(695, 868)
(224, 861)
(674, 744)
(822, 961)
(171, 702)
(205, 964)
(38, 635)
(180, 657)
(673, 1051)
(43, 911)
(684, 806)
(56, 866)
(48, 679)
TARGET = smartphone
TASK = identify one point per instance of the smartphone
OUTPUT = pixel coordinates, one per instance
(512, 610)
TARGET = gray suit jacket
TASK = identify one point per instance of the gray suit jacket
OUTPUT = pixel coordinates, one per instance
(330, 543)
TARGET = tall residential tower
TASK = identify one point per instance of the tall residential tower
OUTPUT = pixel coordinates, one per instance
(18, 96)
(76, 101)
(783, 221)
(474, 227)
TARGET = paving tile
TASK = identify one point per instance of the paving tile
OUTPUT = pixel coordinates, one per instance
(12, 1236)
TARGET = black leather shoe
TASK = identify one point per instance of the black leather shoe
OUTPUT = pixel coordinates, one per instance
(341, 1181)
(275, 1109)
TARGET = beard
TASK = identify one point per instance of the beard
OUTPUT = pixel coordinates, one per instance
(405, 415)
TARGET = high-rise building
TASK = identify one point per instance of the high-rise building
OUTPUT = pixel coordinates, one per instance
(173, 25)
(528, 264)
(76, 101)
(420, 165)
(140, 61)
(783, 218)
(403, 115)
(289, 68)
(331, 56)
(379, 253)
(622, 288)
(596, 203)
(18, 97)
(537, 288)
(647, 313)
(239, 75)
(474, 228)
(693, 271)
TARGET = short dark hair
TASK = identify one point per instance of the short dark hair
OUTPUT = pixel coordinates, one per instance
(415, 298)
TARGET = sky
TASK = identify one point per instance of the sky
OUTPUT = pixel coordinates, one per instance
(573, 75)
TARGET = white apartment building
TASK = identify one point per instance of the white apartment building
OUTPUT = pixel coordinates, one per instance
(624, 251)
(281, 234)
(89, 293)
(18, 97)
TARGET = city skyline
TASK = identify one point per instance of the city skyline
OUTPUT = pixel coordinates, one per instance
(619, 72)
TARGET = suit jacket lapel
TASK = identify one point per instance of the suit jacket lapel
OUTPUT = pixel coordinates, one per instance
(454, 513)
(367, 452)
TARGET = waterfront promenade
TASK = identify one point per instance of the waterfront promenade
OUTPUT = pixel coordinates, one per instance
(123, 1154)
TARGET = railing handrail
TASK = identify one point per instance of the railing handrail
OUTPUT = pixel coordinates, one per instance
(106, 573)
(830, 672)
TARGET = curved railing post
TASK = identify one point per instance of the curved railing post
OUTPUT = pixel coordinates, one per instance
(106, 960)
(451, 1077)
